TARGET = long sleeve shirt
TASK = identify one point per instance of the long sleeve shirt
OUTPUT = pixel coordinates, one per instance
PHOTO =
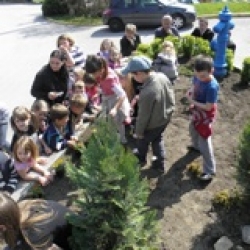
(56, 140)
(127, 46)
(207, 35)
(46, 81)
(156, 103)
(8, 174)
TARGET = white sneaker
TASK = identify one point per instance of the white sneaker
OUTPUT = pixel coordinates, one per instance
(135, 151)
(206, 177)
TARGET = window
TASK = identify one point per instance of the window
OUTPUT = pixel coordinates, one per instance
(128, 3)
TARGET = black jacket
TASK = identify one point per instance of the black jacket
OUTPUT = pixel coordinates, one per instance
(47, 80)
(207, 35)
(161, 33)
(127, 47)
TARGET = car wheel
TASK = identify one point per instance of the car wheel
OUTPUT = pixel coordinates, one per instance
(179, 21)
(116, 25)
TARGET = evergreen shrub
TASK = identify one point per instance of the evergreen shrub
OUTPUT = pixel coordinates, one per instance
(187, 46)
(245, 73)
(243, 162)
(112, 197)
(54, 8)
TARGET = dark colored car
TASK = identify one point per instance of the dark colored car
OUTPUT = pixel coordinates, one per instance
(147, 13)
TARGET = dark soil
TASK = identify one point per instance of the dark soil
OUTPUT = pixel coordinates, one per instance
(187, 217)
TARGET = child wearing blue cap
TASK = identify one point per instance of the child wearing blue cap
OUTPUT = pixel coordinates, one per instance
(156, 104)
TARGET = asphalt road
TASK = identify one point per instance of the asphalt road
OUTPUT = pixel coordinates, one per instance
(27, 40)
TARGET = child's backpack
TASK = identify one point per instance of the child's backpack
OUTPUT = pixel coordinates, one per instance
(8, 174)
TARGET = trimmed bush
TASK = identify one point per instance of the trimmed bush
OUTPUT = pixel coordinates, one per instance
(243, 163)
(112, 198)
(186, 46)
(54, 8)
(229, 60)
(245, 73)
(145, 49)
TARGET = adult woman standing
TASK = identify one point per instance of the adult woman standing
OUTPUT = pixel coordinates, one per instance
(50, 83)
(33, 224)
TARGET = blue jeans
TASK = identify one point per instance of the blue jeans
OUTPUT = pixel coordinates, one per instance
(155, 138)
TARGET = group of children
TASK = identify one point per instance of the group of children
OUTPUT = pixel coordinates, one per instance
(165, 61)
(44, 129)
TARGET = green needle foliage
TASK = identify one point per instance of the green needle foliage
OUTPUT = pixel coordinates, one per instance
(245, 74)
(243, 166)
(112, 201)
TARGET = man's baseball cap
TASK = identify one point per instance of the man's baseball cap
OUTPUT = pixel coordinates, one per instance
(137, 63)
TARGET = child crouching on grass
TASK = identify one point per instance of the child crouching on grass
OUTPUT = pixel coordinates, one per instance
(8, 174)
(166, 61)
(23, 122)
(77, 106)
(26, 162)
(40, 109)
(93, 92)
(203, 97)
(58, 135)
(78, 88)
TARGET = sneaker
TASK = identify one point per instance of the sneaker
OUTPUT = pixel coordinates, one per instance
(135, 151)
(192, 148)
(206, 177)
(153, 158)
(157, 168)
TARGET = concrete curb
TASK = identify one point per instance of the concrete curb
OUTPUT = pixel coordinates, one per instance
(211, 16)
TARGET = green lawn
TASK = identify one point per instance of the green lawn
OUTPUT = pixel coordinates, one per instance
(215, 8)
